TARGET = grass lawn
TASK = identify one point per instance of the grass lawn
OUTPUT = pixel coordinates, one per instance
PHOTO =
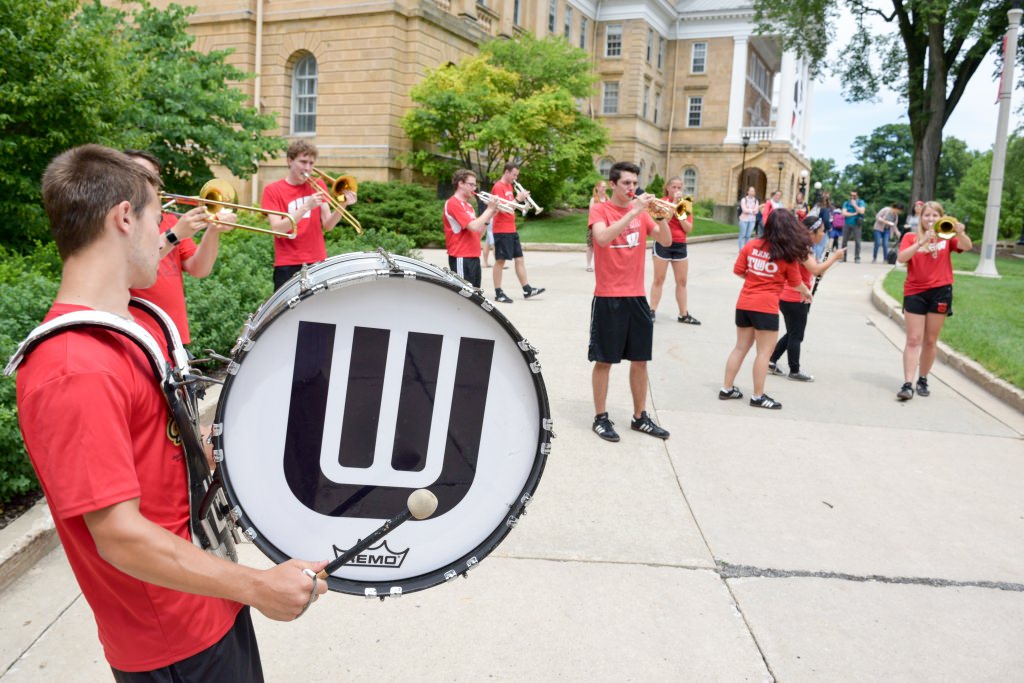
(571, 229)
(988, 320)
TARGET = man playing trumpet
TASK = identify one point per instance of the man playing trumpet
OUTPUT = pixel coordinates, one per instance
(506, 239)
(311, 209)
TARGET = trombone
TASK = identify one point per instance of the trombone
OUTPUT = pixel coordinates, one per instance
(336, 187)
(520, 190)
(504, 205)
(220, 193)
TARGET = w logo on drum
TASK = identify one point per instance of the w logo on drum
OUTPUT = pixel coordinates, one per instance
(307, 415)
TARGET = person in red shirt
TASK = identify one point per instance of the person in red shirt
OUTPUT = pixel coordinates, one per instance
(766, 264)
(506, 239)
(674, 254)
(462, 227)
(310, 208)
(179, 252)
(794, 310)
(97, 429)
(927, 295)
(621, 326)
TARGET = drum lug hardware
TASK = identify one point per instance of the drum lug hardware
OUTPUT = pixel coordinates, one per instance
(512, 521)
(217, 429)
(235, 514)
(450, 574)
(370, 593)
(218, 455)
(525, 500)
(526, 347)
(545, 448)
(251, 534)
(487, 305)
(304, 279)
(232, 368)
(470, 563)
(396, 592)
(535, 367)
(547, 424)
(466, 292)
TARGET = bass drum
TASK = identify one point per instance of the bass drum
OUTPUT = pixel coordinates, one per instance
(364, 378)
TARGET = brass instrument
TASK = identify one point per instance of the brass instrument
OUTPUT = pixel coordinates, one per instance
(945, 228)
(220, 193)
(336, 187)
(504, 205)
(529, 200)
(661, 209)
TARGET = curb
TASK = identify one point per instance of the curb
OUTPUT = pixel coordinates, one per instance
(1000, 388)
(25, 541)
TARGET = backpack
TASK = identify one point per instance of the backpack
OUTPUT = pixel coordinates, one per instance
(838, 219)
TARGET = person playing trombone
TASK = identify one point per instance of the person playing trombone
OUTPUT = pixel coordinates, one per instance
(506, 239)
(311, 208)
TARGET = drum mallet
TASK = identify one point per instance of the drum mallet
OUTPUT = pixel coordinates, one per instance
(421, 504)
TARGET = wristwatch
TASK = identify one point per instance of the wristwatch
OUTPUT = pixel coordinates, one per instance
(171, 238)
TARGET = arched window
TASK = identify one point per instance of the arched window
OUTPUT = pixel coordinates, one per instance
(690, 182)
(604, 167)
(304, 77)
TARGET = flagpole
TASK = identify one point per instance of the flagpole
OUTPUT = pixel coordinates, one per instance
(987, 263)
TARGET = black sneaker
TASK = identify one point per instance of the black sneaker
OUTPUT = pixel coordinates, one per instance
(733, 392)
(502, 298)
(646, 425)
(922, 386)
(604, 429)
(765, 401)
(906, 392)
(801, 377)
(688, 319)
(773, 369)
(529, 292)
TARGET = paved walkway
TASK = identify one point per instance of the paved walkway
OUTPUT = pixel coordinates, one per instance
(848, 537)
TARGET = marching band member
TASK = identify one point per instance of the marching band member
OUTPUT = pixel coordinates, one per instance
(766, 265)
(110, 466)
(675, 254)
(462, 227)
(506, 239)
(927, 295)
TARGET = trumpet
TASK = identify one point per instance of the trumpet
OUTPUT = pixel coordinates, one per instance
(945, 228)
(336, 187)
(660, 208)
(529, 200)
(219, 193)
(504, 205)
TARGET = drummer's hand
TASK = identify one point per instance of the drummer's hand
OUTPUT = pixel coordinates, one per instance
(282, 592)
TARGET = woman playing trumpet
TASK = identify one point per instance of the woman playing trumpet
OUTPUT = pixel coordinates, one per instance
(927, 294)
(674, 254)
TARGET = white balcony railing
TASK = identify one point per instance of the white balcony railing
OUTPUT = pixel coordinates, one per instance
(758, 133)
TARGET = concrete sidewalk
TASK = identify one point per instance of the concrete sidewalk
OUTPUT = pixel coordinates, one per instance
(847, 537)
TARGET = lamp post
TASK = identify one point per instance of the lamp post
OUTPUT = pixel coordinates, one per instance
(745, 140)
(779, 185)
(803, 183)
(817, 191)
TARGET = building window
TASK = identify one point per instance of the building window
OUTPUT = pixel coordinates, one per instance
(552, 10)
(690, 182)
(759, 76)
(613, 41)
(647, 99)
(517, 8)
(568, 21)
(610, 99)
(304, 96)
(661, 51)
(699, 58)
(650, 45)
(604, 167)
(583, 33)
(657, 105)
(694, 109)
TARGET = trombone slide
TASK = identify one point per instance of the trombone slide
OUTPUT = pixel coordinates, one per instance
(214, 194)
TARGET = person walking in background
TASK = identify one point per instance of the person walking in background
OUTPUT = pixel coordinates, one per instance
(506, 239)
(748, 215)
(825, 210)
(794, 309)
(766, 266)
(853, 224)
(676, 254)
(599, 196)
(462, 227)
(927, 295)
(886, 221)
(621, 327)
(913, 220)
(800, 206)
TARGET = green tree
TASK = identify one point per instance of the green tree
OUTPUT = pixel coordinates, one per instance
(927, 52)
(882, 172)
(953, 164)
(972, 193)
(515, 101)
(826, 172)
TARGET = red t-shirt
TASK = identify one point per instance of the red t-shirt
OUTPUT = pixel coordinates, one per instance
(97, 430)
(674, 224)
(763, 278)
(926, 270)
(790, 293)
(168, 292)
(504, 222)
(619, 267)
(458, 239)
(308, 245)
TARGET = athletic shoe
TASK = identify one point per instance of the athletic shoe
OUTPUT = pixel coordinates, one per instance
(604, 429)
(502, 298)
(646, 425)
(724, 395)
(773, 369)
(801, 377)
(922, 386)
(532, 291)
(765, 401)
(688, 319)
(906, 392)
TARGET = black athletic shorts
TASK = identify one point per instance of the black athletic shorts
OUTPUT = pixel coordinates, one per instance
(757, 320)
(674, 252)
(934, 300)
(507, 246)
(620, 329)
(467, 268)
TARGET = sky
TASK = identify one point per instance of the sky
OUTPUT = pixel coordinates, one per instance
(835, 122)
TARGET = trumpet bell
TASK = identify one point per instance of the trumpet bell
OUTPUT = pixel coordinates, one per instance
(945, 228)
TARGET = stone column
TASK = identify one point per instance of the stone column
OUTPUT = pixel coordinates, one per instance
(787, 79)
(737, 89)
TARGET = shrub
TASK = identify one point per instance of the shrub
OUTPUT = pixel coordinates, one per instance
(705, 208)
(412, 211)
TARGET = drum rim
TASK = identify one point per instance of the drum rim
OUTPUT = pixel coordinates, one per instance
(451, 570)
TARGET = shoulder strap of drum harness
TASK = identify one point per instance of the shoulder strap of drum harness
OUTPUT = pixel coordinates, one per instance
(208, 506)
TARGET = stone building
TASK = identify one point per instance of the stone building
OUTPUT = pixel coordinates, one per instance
(685, 88)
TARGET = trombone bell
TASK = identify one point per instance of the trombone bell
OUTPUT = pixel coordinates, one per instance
(219, 194)
(336, 187)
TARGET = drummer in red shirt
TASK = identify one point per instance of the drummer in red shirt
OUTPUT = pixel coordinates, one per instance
(621, 325)
(927, 294)
(462, 227)
(766, 264)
